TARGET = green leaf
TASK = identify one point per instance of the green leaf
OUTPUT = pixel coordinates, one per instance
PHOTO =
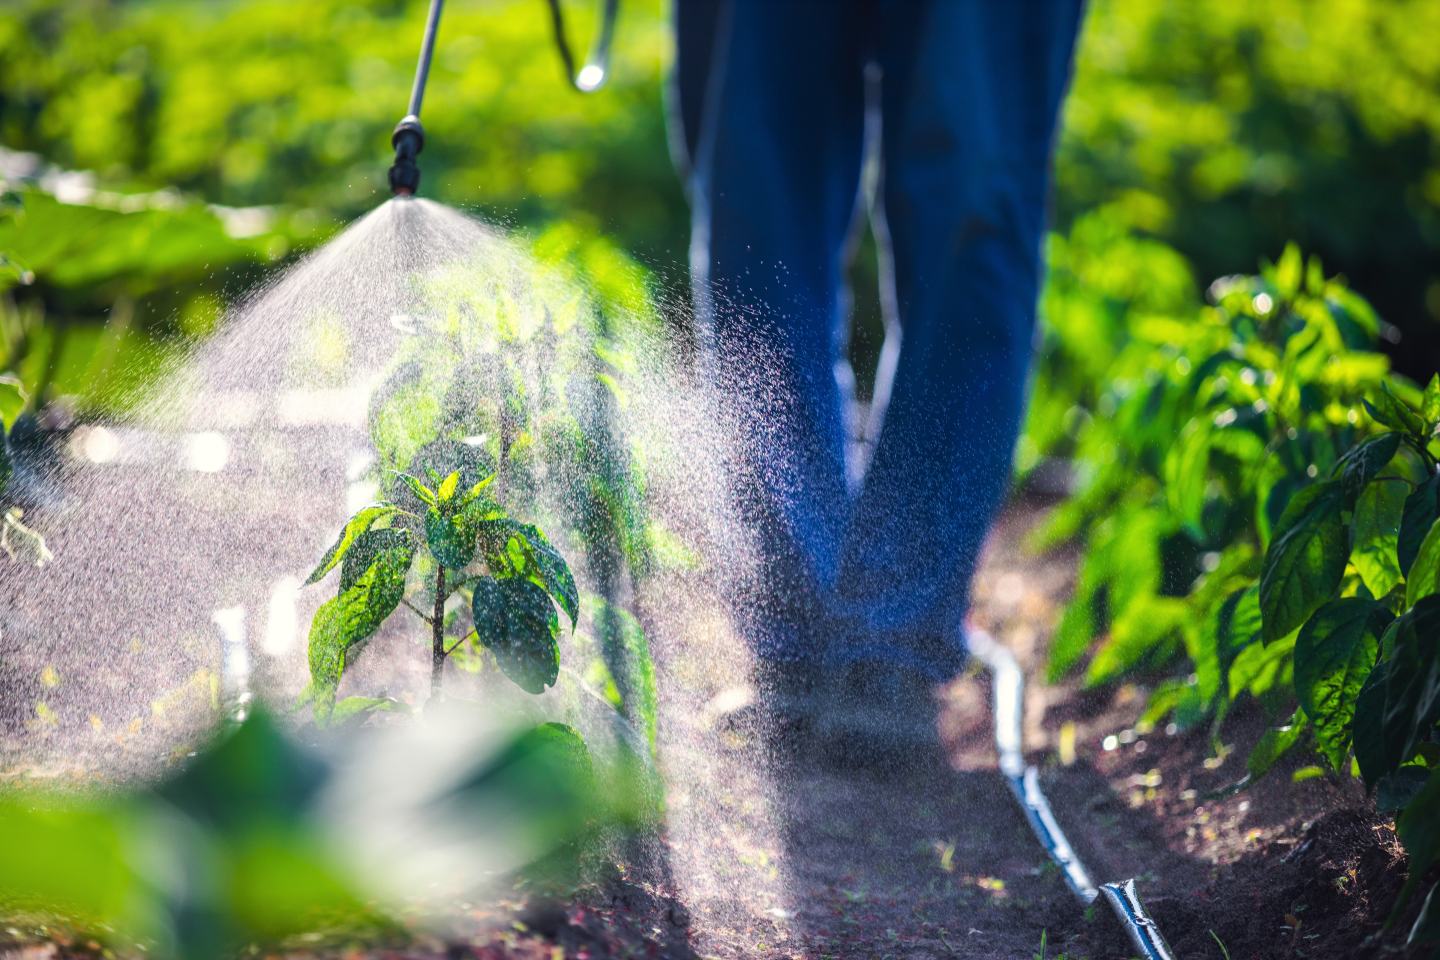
(553, 571)
(1395, 790)
(1374, 534)
(1430, 402)
(1412, 680)
(351, 708)
(1422, 509)
(1372, 754)
(626, 654)
(447, 487)
(1238, 625)
(1273, 745)
(1419, 831)
(469, 496)
(1306, 559)
(450, 537)
(368, 548)
(1334, 654)
(1424, 578)
(1364, 462)
(1288, 272)
(12, 401)
(422, 492)
(516, 621)
(1395, 413)
(354, 615)
(1427, 925)
(354, 527)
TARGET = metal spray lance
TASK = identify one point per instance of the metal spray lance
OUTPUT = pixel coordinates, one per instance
(409, 136)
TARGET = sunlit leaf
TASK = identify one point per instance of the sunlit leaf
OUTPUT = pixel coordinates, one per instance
(447, 487)
(1424, 577)
(423, 493)
(354, 527)
(1273, 745)
(1364, 462)
(12, 401)
(1374, 534)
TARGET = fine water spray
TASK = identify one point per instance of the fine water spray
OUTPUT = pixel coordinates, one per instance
(408, 139)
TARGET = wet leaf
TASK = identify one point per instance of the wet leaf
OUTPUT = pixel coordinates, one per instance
(354, 527)
(516, 621)
(450, 537)
(354, 615)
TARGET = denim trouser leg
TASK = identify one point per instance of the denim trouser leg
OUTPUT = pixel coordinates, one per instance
(969, 97)
(772, 102)
(774, 175)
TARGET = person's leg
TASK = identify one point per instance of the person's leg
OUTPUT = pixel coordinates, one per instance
(970, 91)
(774, 173)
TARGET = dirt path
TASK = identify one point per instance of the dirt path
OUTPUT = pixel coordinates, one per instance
(935, 860)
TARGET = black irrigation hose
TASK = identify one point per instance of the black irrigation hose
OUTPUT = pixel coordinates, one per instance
(1009, 706)
(593, 74)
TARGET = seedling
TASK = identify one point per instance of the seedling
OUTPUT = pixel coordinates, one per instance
(458, 540)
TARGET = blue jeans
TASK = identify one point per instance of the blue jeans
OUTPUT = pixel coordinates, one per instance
(774, 104)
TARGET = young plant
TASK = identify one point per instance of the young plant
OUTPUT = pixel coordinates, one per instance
(457, 540)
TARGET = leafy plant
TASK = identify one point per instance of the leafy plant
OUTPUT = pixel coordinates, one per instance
(1270, 513)
(531, 370)
(465, 543)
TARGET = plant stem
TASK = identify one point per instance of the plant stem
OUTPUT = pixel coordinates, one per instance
(437, 635)
(417, 611)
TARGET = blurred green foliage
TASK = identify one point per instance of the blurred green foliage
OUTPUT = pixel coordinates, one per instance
(1229, 129)
(1224, 129)
(243, 848)
(271, 102)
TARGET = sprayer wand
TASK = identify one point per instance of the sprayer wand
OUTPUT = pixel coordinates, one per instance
(409, 137)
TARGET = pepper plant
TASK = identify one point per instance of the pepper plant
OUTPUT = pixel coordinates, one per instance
(1260, 503)
(526, 362)
(512, 575)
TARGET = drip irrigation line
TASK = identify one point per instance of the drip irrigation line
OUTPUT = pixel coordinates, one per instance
(591, 76)
(1008, 698)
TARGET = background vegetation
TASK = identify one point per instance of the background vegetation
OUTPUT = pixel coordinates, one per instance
(1224, 129)
(1256, 491)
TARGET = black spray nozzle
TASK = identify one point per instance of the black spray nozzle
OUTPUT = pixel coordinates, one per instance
(408, 140)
